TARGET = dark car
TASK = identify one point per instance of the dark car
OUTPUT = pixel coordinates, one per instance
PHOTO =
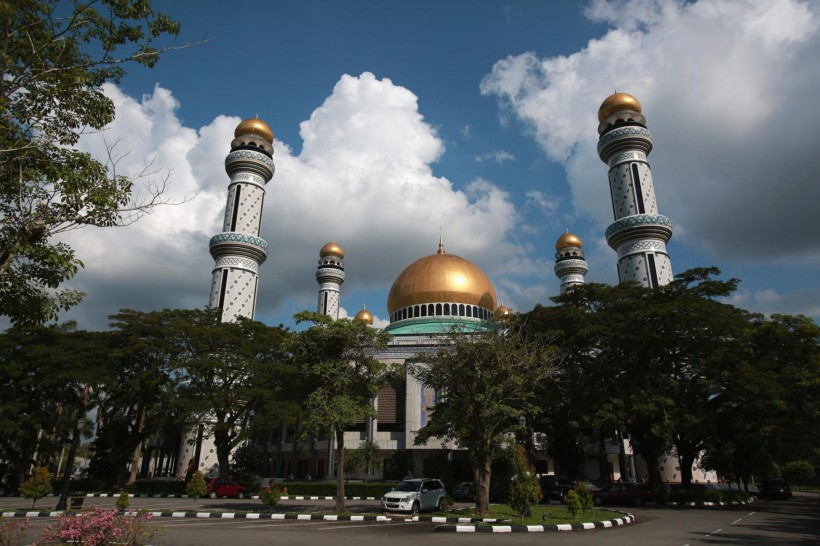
(622, 493)
(774, 488)
(224, 487)
(464, 492)
(555, 487)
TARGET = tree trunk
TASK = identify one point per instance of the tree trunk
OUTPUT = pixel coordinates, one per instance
(135, 460)
(223, 451)
(686, 462)
(62, 504)
(482, 475)
(340, 475)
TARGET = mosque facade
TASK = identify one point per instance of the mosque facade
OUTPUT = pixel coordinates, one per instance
(434, 295)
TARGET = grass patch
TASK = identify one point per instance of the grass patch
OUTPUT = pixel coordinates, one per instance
(556, 515)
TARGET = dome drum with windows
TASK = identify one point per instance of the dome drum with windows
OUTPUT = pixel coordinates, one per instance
(439, 292)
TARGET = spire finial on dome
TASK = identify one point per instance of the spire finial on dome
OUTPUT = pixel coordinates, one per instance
(440, 243)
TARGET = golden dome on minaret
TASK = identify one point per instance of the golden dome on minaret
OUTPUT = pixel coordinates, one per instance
(502, 313)
(332, 249)
(441, 277)
(618, 102)
(568, 239)
(254, 126)
(364, 316)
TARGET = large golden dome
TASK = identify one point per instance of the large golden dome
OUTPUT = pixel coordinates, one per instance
(441, 278)
(254, 126)
(618, 102)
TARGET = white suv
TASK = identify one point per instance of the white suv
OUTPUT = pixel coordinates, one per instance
(414, 495)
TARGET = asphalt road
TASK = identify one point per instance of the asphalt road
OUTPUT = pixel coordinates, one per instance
(793, 522)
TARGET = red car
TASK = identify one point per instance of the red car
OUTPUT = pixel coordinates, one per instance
(223, 487)
(622, 493)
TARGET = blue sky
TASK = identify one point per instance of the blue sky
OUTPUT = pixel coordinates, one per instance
(394, 120)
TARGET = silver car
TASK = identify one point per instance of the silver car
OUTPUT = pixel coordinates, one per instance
(414, 495)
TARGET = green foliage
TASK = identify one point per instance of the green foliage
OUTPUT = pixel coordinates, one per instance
(270, 497)
(342, 378)
(55, 62)
(490, 382)
(585, 496)
(574, 504)
(196, 487)
(37, 486)
(799, 471)
(365, 457)
(446, 503)
(247, 460)
(122, 501)
(524, 489)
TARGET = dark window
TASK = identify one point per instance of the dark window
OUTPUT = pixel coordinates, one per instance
(461, 310)
(431, 310)
(446, 308)
(469, 311)
(424, 310)
(636, 187)
(235, 207)
(223, 289)
(438, 309)
(653, 274)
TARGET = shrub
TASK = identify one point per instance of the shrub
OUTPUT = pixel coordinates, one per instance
(524, 489)
(270, 496)
(196, 487)
(799, 471)
(713, 495)
(37, 486)
(574, 503)
(585, 496)
(446, 503)
(122, 501)
(12, 530)
(99, 528)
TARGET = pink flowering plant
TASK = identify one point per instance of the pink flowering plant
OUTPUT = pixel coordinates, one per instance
(100, 528)
(11, 530)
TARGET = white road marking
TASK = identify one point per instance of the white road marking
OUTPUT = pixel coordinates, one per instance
(751, 513)
(714, 532)
(739, 519)
(355, 526)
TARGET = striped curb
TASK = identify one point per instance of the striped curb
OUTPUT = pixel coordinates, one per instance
(215, 515)
(627, 519)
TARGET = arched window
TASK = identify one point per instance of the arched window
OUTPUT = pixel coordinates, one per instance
(416, 312)
(461, 309)
(446, 308)
(469, 310)
(431, 309)
(404, 313)
(438, 309)
(424, 310)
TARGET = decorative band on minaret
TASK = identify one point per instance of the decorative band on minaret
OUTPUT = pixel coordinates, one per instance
(330, 275)
(639, 234)
(238, 251)
(570, 265)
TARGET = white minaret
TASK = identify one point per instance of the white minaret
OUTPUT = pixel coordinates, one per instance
(639, 234)
(570, 265)
(238, 251)
(330, 275)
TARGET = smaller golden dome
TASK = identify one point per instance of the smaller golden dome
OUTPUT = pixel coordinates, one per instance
(364, 316)
(502, 313)
(568, 239)
(618, 102)
(331, 249)
(254, 126)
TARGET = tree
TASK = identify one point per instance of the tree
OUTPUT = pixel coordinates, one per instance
(487, 384)
(337, 358)
(56, 56)
(229, 372)
(37, 486)
(196, 486)
(365, 457)
(525, 490)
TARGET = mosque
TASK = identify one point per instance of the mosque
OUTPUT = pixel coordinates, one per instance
(431, 296)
